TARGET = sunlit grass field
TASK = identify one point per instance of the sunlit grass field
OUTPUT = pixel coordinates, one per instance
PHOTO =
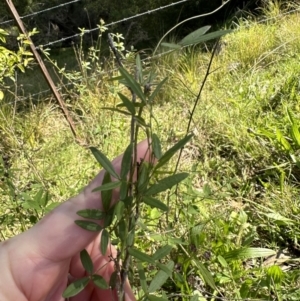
(244, 161)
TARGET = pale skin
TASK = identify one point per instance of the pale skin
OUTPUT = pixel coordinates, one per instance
(38, 264)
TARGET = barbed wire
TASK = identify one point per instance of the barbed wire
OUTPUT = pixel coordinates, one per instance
(148, 12)
(40, 11)
(22, 98)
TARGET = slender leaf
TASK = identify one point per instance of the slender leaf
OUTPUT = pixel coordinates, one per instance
(105, 163)
(206, 37)
(113, 279)
(165, 269)
(156, 146)
(76, 287)
(296, 134)
(122, 229)
(143, 177)
(157, 89)
(154, 203)
(86, 261)
(283, 142)
(206, 275)
(106, 195)
(194, 36)
(142, 277)
(160, 278)
(123, 191)
(131, 82)
(100, 282)
(117, 110)
(139, 68)
(247, 253)
(222, 261)
(166, 183)
(141, 121)
(130, 238)
(126, 161)
(87, 225)
(104, 242)
(141, 256)
(162, 252)
(155, 298)
(171, 45)
(127, 103)
(108, 186)
(172, 151)
(91, 214)
(38, 197)
(119, 209)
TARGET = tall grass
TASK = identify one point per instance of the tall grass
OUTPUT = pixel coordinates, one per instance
(244, 187)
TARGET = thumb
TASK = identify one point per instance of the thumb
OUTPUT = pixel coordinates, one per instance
(56, 237)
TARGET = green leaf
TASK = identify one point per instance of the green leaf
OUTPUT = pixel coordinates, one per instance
(155, 298)
(204, 38)
(104, 242)
(172, 151)
(157, 89)
(162, 252)
(119, 209)
(222, 261)
(126, 161)
(117, 110)
(141, 256)
(295, 134)
(131, 82)
(127, 103)
(100, 282)
(105, 163)
(143, 177)
(171, 45)
(194, 36)
(122, 230)
(1, 95)
(142, 277)
(160, 278)
(39, 199)
(113, 279)
(282, 141)
(87, 225)
(156, 146)
(95, 214)
(276, 216)
(247, 253)
(108, 186)
(86, 261)
(139, 68)
(106, 195)
(154, 203)
(166, 183)
(141, 121)
(76, 287)
(165, 269)
(123, 191)
(206, 275)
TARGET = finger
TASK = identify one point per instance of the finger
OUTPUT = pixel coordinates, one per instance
(56, 237)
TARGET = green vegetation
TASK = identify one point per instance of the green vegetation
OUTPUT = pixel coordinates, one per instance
(232, 230)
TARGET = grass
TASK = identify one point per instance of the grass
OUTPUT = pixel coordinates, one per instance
(244, 187)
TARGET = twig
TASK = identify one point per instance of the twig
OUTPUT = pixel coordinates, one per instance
(196, 104)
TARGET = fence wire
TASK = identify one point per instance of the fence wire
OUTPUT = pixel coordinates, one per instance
(40, 11)
(22, 98)
(114, 23)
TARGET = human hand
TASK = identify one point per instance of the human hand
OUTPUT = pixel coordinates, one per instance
(37, 264)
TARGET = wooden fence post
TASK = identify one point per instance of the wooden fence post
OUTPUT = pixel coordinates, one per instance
(43, 68)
